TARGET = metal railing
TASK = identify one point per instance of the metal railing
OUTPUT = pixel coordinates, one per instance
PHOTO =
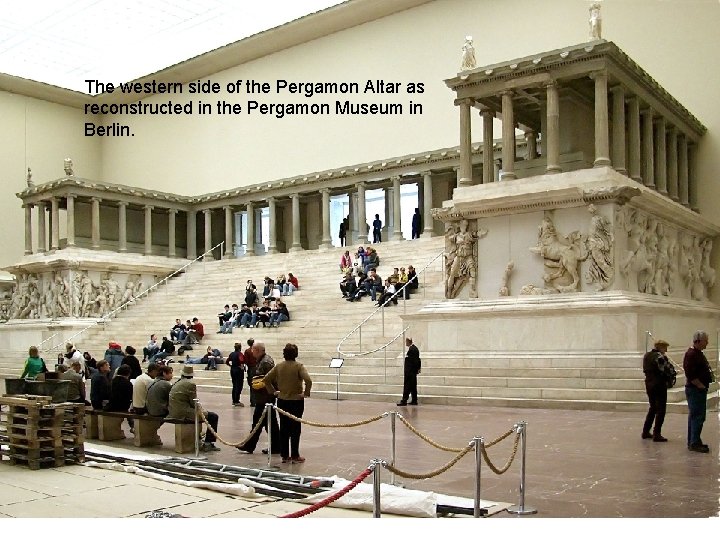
(102, 320)
(381, 309)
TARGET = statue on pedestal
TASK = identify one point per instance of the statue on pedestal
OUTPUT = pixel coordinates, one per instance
(29, 179)
(68, 166)
(461, 258)
(468, 55)
(595, 22)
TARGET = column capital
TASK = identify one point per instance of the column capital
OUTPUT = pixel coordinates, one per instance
(617, 88)
(271, 199)
(96, 199)
(465, 101)
(360, 184)
(600, 73)
(206, 211)
(551, 84)
(509, 93)
(227, 207)
(395, 177)
(149, 207)
(295, 196)
(28, 205)
(123, 203)
(249, 204)
(647, 111)
(325, 190)
(172, 210)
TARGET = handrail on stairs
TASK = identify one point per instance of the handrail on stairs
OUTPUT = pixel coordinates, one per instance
(146, 292)
(381, 309)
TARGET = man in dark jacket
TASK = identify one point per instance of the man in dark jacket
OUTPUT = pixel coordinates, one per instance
(654, 363)
(100, 385)
(261, 397)
(698, 378)
(411, 369)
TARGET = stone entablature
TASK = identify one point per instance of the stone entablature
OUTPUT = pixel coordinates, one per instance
(589, 99)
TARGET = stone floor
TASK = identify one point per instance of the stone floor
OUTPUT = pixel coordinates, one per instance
(578, 463)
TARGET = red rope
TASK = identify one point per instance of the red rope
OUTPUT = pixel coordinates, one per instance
(332, 498)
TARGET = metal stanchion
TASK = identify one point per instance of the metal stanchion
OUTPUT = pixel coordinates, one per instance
(269, 412)
(648, 335)
(197, 430)
(360, 345)
(382, 310)
(479, 444)
(520, 508)
(375, 465)
(393, 416)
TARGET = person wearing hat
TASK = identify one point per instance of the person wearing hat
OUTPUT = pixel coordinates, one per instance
(114, 356)
(654, 363)
(181, 406)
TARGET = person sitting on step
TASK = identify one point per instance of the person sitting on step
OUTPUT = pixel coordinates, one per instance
(223, 317)
(231, 322)
(250, 316)
(151, 348)
(279, 314)
(178, 331)
(291, 285)
(263, 314)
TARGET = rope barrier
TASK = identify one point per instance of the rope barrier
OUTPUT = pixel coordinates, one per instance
(332, 498)
(502, 470)
(257, 427)
(319, 424)
(447, 448)
(431, 474)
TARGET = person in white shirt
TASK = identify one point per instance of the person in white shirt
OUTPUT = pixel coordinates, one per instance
(72, 355)
(140, 389)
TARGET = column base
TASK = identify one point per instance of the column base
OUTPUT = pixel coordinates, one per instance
(397, 237)
(250, 253)
(295, 249)
(508, 176)
(553, 169)
(272, 250)
(229, 255)
(622, 170)
(209, 257)
(464, 182)
(602, 162)
(428, 233)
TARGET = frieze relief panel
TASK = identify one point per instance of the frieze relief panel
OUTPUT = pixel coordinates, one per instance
(461, 255)
(70, 293)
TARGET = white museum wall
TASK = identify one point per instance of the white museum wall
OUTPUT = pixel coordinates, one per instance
(39, 135)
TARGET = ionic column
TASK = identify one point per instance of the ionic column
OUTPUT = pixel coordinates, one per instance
(660, 157)
(497, 167)
(148, 229)
(618, 134)
(488, 176)
(41, 227)
(602, 145)
(397, 229)
(326, 241)
(362, 215)
(229, 252)
(272, 242)
(95, 222)
(551, 137)
(427, 201)
(634, 136)
(351, 235)
(54, 224)
(648, 148)
(122, 226)
(28, 229)
(389, 214)
(208, 234)
(465, 178)
(250, 247)
(672, 170)
(192, 234)
(296, 245)
(508, 131)
(683, 170)
(692, 177)
(171, 231)
(70, 217)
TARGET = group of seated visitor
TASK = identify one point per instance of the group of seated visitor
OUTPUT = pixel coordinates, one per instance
(187, 334)
(356, 283)
(271, 312)
(151, 394)
(366, 258)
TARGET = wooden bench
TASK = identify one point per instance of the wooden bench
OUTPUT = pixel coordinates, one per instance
(105, 425)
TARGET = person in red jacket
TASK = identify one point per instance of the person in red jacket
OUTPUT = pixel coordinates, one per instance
(196, 331)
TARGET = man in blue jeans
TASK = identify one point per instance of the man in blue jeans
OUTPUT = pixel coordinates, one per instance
(698, 378)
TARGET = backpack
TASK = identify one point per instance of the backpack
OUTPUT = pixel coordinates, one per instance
(668, 371)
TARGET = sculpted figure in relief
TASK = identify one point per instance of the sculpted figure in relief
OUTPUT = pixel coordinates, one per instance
(31, 310)
(112, 291)
(461, 258)
(62, 296)
(661, 283)
(600, 249)
(468, 55)
(646, 277)
(690, 266)
(562, 256)
(88, 295)
(21, 297)
(707, 273)
(49, 304)
(595, 21)
(129, 293)
(504, 290)
(636, 260)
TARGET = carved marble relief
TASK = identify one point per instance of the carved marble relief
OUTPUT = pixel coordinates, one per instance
(562, 255)
(504, 288)
(636, 259)
(600, 243)
(461, 257)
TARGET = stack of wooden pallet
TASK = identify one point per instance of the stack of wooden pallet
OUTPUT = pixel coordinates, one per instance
(37, 433)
